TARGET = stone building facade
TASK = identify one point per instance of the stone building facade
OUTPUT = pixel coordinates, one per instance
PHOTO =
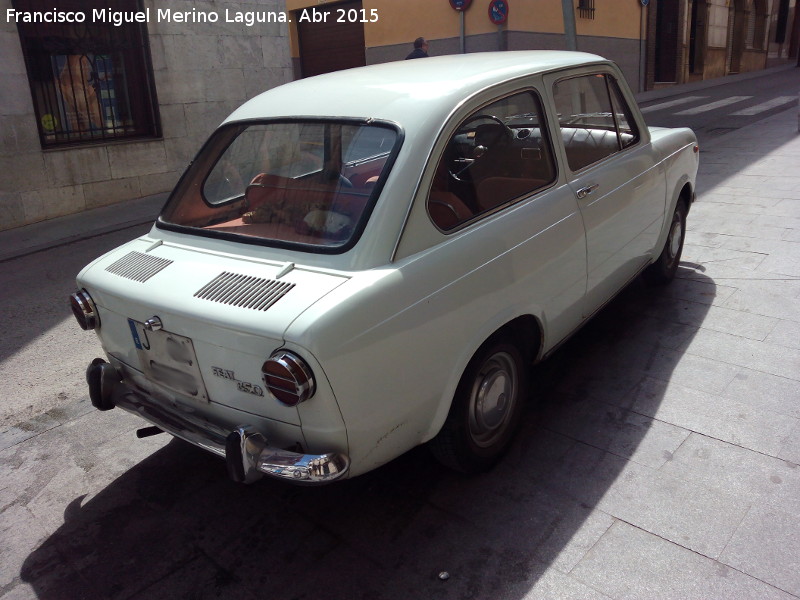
(96, 113)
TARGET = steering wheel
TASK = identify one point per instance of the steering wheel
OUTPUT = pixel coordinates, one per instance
(480, 151)
(507, 133)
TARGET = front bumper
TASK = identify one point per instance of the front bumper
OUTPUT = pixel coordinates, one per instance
(246, 451)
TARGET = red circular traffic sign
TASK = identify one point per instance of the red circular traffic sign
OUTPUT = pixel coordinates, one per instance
(498, 11)
(460, 5)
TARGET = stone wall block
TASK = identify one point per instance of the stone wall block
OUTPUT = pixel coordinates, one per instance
(275, 55)
(4, 24)
(176, 86)
(224, 85)
(158, 58)
(75, 166)
(205, 117)
(51, 202)
(180, 151)
(239, 52)
(18, 135)
(11, 51)
(23, 172)
(12, 213)
(15, 95)
(191, 52)
(173, 120)
(157, 184)
(104, 193)
(132, 160)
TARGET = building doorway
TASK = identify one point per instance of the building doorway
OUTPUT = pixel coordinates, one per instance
(697, 37)
(330, 44)
(667, 38)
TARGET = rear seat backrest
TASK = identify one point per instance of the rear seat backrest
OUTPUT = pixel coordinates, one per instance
(587, 146)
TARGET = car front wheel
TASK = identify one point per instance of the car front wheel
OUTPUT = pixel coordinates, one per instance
(486, 409)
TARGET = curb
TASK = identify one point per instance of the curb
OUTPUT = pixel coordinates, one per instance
(677, 90)
(44, 235)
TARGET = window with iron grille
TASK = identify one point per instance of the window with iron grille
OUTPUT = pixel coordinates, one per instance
(91, 81)
(586, 9)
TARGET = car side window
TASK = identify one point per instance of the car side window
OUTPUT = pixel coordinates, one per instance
(594, 118)
(498, 154)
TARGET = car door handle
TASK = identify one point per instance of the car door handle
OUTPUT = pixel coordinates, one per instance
(585, 191)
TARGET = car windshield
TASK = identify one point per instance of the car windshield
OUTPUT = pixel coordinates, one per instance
(305, 184)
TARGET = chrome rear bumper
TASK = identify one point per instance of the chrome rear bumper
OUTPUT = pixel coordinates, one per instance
(246, 451)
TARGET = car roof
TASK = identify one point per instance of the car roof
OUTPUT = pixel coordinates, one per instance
(407, 92)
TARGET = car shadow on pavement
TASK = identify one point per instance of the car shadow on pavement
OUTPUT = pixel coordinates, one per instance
(173, 526)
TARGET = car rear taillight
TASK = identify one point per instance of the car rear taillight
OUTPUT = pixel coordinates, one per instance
(288, 378)
(84, 309)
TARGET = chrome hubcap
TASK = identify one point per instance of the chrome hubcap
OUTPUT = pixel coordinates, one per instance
(675, 237)
(494, 394)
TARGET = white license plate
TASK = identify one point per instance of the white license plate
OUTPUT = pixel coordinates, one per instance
(169, 360)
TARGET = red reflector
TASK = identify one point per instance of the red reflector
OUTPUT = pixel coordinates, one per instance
(84, 310)
(288, 378)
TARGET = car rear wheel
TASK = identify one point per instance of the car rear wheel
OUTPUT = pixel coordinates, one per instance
(663, 270)
(486, 409)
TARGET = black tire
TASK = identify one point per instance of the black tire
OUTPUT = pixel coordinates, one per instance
(486, 409)
(663, 270)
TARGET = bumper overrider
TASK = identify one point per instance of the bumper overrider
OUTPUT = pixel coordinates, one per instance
(246, 451)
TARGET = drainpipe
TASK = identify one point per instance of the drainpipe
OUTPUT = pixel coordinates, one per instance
(569, 24)
(642, 46)
(463, 40)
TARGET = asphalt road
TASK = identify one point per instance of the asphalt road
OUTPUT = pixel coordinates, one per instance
(721, 109)
(43, 353)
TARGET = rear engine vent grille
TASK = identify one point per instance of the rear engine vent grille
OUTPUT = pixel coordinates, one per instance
(244, 291)
(137, 266)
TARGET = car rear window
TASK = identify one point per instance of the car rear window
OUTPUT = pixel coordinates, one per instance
(305, 184)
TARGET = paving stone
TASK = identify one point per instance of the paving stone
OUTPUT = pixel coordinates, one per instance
(782, 264)
(761, 300)
(767, 546)
(791, 448)
(723, 195)
(631, 563)
(701, 289)
(552, 527)
(755, 478)
(733, 421)
(618, 430)
(743, 352)
(792, 235)
(786, 333)
(762, 390)
(693, 371)
(20, 532)
(712, 257)
(553, 585)
(715, 318)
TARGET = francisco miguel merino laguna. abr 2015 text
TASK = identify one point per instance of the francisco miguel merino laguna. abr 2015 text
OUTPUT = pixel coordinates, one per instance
(165, 15)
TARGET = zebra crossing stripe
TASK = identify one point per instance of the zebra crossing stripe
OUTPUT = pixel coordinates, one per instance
(713, 105)
(672, 103)
(764, 106)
